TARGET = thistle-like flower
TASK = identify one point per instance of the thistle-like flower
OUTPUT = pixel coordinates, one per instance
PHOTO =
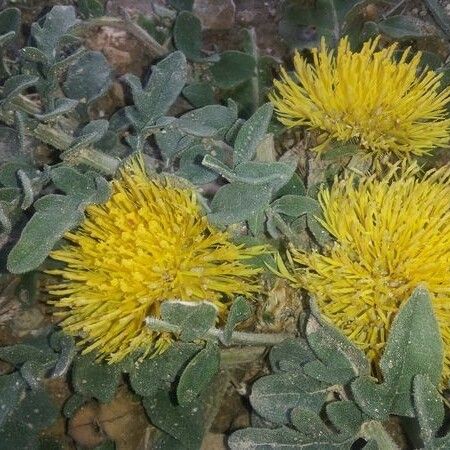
(390, 235)
(386, 106)
(149, 242)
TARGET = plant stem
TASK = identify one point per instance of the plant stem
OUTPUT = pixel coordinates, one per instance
(237, 338)
(154, 48)
(374, 430)
(93, 158)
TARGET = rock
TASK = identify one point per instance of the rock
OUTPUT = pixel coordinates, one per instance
(215, 15)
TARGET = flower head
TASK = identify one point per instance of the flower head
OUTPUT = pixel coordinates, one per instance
(383, 105)
(391, 234)
(149, 242)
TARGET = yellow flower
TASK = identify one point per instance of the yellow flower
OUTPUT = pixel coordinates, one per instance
(149, 242)
(367, 98)
(391, 234)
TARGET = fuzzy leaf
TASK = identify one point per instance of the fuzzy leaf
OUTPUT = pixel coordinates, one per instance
(18, 83)
(194, 320)
(199, 94)
(265, 439)
(164, 86)
(296, 205)
(414, 347)
(439, 14)
(56, 24)
(37, 410)
(345, 416)
(303, 24)
(90, 134)
(187, 35)
(252, 133)
(290, 355)
(197, 375)
(428, 406)
(240, 310)
(95, 379)
(238, 201)
(309, 423)
(339, 361)
(88, 78)
(54, 215)
(62, 106)
(404, 27)
(10, 21)
(274, 396)
(294, 186)
(12, 387)
(183, 423)
(153, 373)
(232, 69)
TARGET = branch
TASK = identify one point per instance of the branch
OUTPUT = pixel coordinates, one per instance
(237, 338)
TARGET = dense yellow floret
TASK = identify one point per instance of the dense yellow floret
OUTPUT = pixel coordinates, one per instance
(386, 106)
(148, 243)
(391, 234)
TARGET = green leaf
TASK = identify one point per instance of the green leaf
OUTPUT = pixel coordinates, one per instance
(253, 93)
(10, 21)
(184, 423)
(275, 175)
(12, 387)
(338, 360)
(232, 69)
(405, 27)
(414, 347)
(18, 83)
(194, 319)
(182, 5)
(88, 187)
(236, 202)
(55, 214)
(291, 355)
(56, 24)
(187, 35)
(88, 78)
(197, 375)
(165, 84)
(309, 423)
(303, 24)
(9, 149)
(428, 406)
(209, 121)
(294, 186)
(251, 134)
(199, 94)
(240, 311)
(37, 410)
(265, 439)
(73, 404)
(90, 8)
(95, 379)
(345, 416)
(440, 15)
(191, 167)
(296, 205)
(274, 396)
(154, 372)
(17, 435)
(320, 234)
(90, 134)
